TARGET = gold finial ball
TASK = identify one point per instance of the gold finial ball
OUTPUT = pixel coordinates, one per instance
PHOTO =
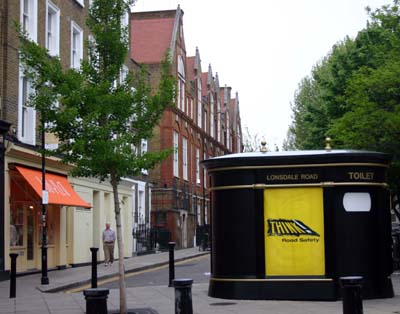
(263, 146)
(328, 144)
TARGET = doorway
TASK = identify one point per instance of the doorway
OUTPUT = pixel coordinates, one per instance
(30, 239)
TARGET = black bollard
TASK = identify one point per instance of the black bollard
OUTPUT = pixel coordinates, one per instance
(183, 296)
(96, 300)
(351, 295)
(13, 275)
(94, 266)
(171, 246)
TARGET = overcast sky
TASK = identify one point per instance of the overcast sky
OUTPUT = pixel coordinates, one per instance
(263, 48)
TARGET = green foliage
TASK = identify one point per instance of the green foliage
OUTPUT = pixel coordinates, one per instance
(353, 94)
(98, 117)
(99, 120)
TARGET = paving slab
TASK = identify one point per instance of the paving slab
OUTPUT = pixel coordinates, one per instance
(32, 299)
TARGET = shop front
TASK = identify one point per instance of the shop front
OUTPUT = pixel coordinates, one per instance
(25, 216)
(76, 212)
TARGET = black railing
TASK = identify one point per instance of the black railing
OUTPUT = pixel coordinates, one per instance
(203, 238)
(149, 239)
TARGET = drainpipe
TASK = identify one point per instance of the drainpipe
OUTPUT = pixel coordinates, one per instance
(4, 127)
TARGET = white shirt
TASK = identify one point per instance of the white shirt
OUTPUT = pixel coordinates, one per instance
(108, 235)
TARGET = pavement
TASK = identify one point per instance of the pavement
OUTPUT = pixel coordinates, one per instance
(31, 297)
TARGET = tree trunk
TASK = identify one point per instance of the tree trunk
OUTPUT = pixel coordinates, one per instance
(121, 267)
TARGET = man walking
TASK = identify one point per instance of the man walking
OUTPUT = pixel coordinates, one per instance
(108, 245)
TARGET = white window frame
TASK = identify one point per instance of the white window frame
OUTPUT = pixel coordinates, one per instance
(92, 41)
(228, 128)
(212, 131)
(199, 105)
(123, 74)
(26, 114)
(143, 150)
(205, 212)
(77, 51)
(197, 166)
(199, 214)
(81, 2)
(185, 152)
(125, 19)
(29, 17)
(178, 95)
(181, 83)
(52, 29)
(176, 155)
(218, 120)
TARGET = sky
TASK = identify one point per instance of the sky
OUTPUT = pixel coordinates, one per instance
(263, 48)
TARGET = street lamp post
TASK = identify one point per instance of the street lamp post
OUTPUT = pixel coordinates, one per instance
(4, 127)
(44, 279)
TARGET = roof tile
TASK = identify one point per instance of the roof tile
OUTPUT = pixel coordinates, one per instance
(150, 38)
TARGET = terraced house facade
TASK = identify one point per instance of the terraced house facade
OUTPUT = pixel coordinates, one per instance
(77, 207)
(204, 123)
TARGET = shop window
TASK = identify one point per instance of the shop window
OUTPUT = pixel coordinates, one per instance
(357, 202)
(17, 227)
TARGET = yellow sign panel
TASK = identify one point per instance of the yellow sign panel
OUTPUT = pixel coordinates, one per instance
(294, 232)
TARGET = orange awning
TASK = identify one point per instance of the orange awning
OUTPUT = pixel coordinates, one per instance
(59, 189)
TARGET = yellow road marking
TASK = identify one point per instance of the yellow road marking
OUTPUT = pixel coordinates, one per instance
(115, 278)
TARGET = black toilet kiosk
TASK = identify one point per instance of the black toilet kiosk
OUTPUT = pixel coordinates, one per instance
(288, 225)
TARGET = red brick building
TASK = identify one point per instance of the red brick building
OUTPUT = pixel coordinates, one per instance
(204, 123)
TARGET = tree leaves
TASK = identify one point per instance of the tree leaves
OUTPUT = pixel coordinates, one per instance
(353, 94)
(100, 119)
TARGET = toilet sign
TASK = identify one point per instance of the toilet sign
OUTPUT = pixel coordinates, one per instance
(294, 232)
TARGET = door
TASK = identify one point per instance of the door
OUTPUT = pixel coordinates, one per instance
(30, 245)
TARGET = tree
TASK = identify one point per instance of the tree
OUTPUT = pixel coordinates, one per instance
(353, 95)
(99, 119)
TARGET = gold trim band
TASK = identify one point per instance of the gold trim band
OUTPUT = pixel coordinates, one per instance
(299, 166)
(261, 186)
(270, 279)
